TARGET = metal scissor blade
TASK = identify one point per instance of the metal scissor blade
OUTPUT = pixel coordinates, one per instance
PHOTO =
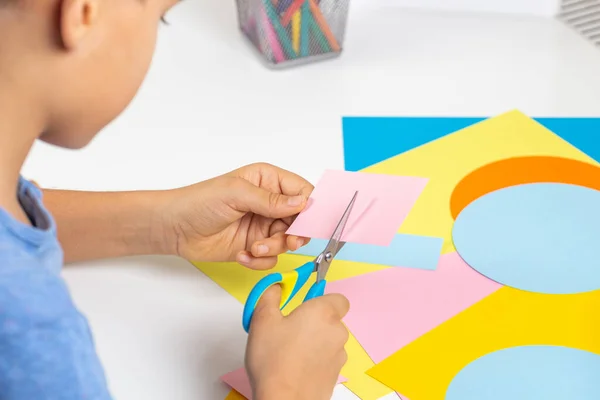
(334, 245)
(339, 229)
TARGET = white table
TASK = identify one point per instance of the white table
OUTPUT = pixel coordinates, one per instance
(165, 331)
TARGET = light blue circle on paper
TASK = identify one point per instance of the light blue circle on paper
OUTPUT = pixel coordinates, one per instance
(541, 237)
(529, 373)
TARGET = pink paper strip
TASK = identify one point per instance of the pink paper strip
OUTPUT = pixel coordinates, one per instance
(393, 307)
(238, 380)
(382, 204)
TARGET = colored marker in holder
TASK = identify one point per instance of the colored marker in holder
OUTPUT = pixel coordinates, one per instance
(282, 5)
(282, 33)
(321, 39)
(272, 38)
(293, 29)
(290, 11)
(305, 30)
(296, 22)
(316, 12)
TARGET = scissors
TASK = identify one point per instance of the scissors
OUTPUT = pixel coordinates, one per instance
(291, 282)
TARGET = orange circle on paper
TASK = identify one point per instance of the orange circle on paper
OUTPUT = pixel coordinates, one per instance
(519, 171)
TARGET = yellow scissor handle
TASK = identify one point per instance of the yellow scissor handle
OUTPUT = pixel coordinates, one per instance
(291, 282)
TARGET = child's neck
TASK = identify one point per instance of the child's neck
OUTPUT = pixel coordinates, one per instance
(19, 127)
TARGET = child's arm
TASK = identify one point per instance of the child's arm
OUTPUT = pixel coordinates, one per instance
(93, 225)
(242, 215)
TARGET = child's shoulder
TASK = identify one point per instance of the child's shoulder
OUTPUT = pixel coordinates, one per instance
(31, 288)
(32, 292)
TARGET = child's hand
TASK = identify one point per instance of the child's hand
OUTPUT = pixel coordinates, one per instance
(241, 216)
(298, 357)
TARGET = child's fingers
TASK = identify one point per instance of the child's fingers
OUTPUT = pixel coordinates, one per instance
(259, 263)
(278, 226)
(271, 246)
(295, 242)
(289, 220)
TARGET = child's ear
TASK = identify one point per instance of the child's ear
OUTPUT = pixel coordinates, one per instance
(77, 18)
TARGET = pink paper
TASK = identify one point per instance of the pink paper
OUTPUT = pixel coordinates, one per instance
(382, 204)
(238, 380)
(393, 307)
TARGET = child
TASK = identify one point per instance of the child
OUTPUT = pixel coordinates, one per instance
(67, 68)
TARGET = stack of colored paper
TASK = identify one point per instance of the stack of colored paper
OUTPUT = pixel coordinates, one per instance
(509, 309)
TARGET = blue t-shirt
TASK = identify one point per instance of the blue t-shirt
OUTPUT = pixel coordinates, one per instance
(46, 347)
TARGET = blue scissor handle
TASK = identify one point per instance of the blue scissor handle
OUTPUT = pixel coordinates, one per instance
(316, 290)
(291, 283)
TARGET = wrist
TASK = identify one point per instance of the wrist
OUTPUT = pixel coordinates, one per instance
(139, 219)
(161, 232)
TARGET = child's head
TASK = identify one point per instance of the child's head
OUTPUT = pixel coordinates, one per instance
(76, 62)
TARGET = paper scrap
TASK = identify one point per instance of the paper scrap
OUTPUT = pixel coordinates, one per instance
(239, 381)
(233, 395)
(529, 372)
(447, 160)
(238, 281)
(359, 383)
(393, 307)
(421, 252)
(381, 206)
(510, 317)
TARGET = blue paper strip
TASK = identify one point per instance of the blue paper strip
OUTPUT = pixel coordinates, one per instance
(421, 252)
(529, 373)
(540, 237)
(369, 140)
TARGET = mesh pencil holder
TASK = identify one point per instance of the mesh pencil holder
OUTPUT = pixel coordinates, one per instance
(291, 32)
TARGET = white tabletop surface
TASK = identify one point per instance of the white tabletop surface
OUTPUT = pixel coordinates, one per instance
(164, 330)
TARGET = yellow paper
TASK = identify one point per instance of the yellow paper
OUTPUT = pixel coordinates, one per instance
(358, 382)
(233, 395)
(239, 281)
(424, 369)
(296, 19)
(447, 160)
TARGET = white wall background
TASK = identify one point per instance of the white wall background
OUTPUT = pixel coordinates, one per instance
(546, 8)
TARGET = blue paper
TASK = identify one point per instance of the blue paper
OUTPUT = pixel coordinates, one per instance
(541, 237)
(421, 252)
(529, 373)
(369, 140)
(583, 133)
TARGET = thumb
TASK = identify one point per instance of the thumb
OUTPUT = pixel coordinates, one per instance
(251, 198)
(269, 303)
